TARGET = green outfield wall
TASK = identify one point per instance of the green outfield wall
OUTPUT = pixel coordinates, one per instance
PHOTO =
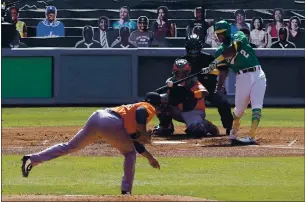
(27, 77)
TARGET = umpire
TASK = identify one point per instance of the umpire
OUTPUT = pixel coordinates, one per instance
(216, 97)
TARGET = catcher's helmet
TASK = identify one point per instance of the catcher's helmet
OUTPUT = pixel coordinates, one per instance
(193, 44)
(153, 98)
(223, 27)
(142, 23)
(181, 68)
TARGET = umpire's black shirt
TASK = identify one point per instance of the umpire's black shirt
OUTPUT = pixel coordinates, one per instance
(197, 63)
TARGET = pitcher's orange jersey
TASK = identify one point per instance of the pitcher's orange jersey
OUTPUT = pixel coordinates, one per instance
(200, 103)
(128, 114)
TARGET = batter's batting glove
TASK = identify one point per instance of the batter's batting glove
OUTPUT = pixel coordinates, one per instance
(211, 67)
(206, 70)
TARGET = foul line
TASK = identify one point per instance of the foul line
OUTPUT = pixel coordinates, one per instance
(291, 143)
(278, 147)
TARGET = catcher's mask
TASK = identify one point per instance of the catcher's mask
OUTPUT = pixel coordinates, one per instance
(181, 69)
(193, 45)
(143, 23)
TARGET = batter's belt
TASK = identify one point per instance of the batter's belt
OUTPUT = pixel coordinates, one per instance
(251, 69)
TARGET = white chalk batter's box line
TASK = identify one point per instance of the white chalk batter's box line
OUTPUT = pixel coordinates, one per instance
(264, 146)
(277, 147)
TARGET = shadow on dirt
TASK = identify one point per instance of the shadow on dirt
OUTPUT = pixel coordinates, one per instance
(185, 137)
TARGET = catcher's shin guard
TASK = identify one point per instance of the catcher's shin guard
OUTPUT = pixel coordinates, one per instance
(166, 126)
(160, 130)
(211, 129)
(196, 130)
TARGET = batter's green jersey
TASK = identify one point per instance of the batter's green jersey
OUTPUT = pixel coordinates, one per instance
(245, 56)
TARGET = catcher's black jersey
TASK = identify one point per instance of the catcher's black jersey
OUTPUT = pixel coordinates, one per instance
(197, 63)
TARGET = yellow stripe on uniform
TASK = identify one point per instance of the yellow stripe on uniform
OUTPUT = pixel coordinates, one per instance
(235, 45)
(220, 31)
(215, 72)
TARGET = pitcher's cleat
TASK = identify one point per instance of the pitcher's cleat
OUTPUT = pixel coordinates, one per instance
(125, 193)
(26, 166)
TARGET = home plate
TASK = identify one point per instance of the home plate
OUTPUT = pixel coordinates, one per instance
(168, 142)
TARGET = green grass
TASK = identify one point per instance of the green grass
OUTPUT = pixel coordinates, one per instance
(23, 117)
(280, 178)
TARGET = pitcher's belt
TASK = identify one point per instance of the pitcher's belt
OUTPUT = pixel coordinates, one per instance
(251, 69)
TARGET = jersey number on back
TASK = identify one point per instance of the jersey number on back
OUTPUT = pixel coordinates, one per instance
(244, 53)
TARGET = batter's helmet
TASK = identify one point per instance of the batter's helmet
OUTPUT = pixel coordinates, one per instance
(193, 44)
(223, 27)
(143, 23)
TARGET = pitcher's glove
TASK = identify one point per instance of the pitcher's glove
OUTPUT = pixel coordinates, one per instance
(142, 138)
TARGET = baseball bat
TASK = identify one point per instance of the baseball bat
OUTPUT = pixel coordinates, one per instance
(177, 82)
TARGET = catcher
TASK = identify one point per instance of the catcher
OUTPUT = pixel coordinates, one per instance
(123, 127)
(185, 104)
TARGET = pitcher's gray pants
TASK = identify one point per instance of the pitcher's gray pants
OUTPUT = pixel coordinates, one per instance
(101, 125)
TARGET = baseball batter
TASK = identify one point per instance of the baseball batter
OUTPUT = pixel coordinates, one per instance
(123, 127)
(185, 104)
(250, 78)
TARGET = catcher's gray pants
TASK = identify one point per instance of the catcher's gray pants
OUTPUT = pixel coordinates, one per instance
(101, 125)
(189, 118)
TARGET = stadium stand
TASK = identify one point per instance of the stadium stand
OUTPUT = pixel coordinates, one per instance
(78, 14)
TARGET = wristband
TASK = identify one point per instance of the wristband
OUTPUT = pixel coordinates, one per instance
(219, 59)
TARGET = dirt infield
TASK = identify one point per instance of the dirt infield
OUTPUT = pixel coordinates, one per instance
(273, 142)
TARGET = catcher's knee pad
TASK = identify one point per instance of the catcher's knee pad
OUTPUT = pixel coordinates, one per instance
(196, 130)
(162, 130)
(211, 129)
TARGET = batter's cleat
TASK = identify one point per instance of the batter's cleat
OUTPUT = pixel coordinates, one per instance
(235, 127)
(125, 192)
(164, 131)
(26, 166)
